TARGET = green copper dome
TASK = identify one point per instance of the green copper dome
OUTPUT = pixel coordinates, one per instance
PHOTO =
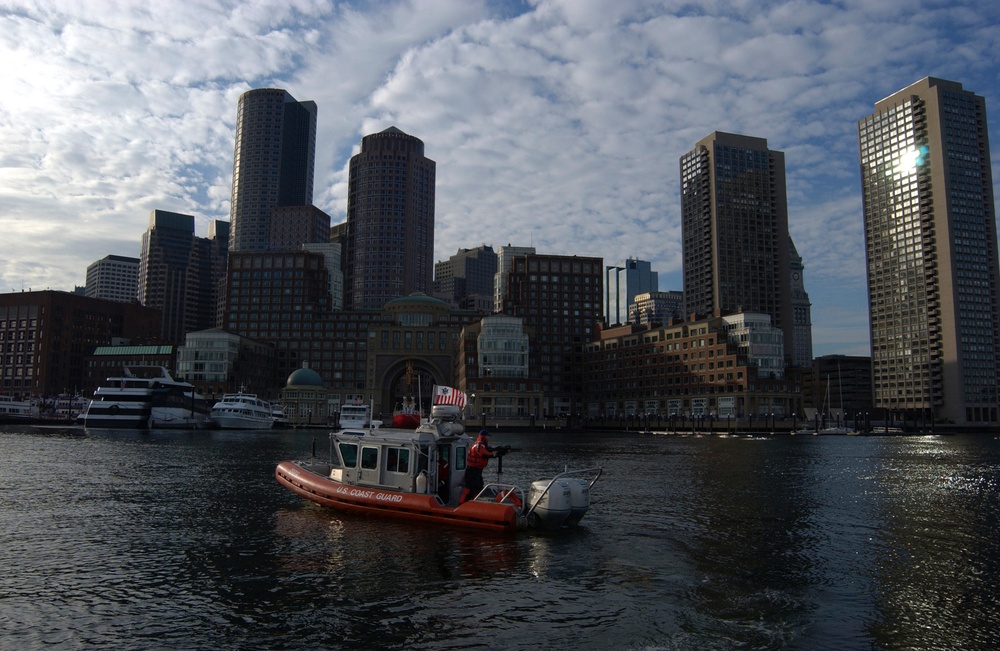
(304, 377)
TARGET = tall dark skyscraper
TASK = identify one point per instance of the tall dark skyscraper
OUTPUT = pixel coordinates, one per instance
(390, 221)
(273, 163)
(734, 217)
(466, 278)
(931, 245)
(179, 274)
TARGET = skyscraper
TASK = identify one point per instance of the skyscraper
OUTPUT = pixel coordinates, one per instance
(505, 258)
(931, 246)
(179, 274)
(390, 221)
(272, 165)
(801, 312)
(292, 226)
(734, 218)
(656, 307)
(466, 278)
(113, 278)
(559, 298)
(622, 283)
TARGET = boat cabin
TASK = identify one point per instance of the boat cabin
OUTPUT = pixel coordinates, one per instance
(430, 460)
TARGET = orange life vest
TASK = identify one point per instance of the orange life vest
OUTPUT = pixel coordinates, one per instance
(479, 455)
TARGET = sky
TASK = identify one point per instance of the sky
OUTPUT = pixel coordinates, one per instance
(557, 124)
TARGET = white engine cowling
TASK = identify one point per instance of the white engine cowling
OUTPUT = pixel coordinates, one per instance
(579, 499)
(556, 505)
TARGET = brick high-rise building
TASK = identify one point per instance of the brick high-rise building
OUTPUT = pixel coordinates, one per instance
(560, 299)
(48, 335)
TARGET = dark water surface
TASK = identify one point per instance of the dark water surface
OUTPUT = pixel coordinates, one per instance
(183, 540)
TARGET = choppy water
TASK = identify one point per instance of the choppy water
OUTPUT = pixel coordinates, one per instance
(184, 540)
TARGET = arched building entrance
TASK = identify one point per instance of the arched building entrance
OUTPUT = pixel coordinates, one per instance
(407, 379)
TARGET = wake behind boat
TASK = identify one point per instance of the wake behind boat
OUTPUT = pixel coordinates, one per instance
(146, 397)
(242, 411)
(417, 475)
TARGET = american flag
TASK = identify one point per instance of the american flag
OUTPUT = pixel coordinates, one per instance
(449, 396)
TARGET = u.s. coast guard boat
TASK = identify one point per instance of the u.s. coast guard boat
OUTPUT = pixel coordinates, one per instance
(417, 475)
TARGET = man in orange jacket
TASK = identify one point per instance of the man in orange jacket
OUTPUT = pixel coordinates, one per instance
(479, 456)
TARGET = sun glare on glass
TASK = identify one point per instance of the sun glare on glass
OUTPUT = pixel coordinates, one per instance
(911, 160)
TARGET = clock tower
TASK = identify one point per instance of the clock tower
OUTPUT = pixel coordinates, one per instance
(801, 312)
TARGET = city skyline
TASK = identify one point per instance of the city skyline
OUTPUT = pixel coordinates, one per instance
(556, 125)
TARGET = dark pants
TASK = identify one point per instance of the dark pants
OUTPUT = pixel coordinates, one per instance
(473, 481)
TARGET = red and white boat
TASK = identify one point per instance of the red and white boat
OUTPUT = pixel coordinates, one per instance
(407, 416)
(417, 475)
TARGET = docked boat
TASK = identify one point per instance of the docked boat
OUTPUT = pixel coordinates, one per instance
(15, 409)
(69, 407)
(407, 416)
(407, 413)
(280, 418)
(837, 430)
(417, 475)
(146, 397)
(242, 411)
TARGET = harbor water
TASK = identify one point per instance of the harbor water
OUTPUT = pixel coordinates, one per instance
(184, 540)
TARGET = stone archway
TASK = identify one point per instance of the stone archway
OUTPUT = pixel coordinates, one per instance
(411, 377)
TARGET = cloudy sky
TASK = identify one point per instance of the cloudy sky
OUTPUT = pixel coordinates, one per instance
(554, 123)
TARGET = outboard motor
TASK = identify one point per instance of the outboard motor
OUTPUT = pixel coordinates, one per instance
(555, 506)
(579, 499)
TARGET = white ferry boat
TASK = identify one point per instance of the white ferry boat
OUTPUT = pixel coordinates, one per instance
(14, 409)
(146, 397)
(242, 411)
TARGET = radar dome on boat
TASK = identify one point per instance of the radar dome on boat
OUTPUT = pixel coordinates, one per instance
(446, 413)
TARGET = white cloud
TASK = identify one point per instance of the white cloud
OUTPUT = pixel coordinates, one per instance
(553, 123)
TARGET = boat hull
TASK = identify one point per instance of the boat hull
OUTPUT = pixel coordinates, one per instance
(114, 415)
(236, 422)
(490, 516)
(406, 421)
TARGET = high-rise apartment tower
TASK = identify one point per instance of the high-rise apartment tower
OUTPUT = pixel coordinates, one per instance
(390, 221)
(931, 246)
(734, 218)
(272, 165)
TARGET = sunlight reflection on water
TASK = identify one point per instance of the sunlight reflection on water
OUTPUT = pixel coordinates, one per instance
(184, 539)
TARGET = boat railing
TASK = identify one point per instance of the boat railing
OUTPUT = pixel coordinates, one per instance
(596, 472)
(503, 493)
